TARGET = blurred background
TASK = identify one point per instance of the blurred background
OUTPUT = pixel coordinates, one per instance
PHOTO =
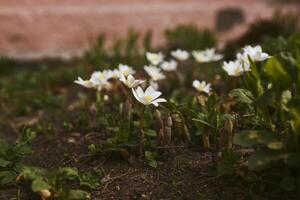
(36, 29)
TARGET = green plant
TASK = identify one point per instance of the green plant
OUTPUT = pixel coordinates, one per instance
(271, 91)
(91, 179)
(11, 156)
(280, 25)
(53, 183)
(189, 37)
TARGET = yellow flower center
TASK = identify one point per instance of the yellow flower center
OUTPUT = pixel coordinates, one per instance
(148, 98)
(237, 70)
(125, 72)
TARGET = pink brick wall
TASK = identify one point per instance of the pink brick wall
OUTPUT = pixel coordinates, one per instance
(39, 28)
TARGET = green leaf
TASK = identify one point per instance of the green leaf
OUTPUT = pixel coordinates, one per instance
(150, 157)
(151, 133)
(67, 172)
(7, 177)
(39, 184)
(278, 75)
(76, 194)
(4, 163)
(27, 137)
(4, 147)
(152, 163)
(241, 95)
(91, 179)
(205, 123)
(32, 173)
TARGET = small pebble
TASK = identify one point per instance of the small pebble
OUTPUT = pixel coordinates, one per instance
(71, 140)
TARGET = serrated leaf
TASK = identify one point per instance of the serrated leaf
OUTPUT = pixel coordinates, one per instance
(4, 146)
(7, 177)
(4, 163)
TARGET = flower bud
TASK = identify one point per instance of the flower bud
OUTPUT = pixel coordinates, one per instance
(44, 193)
(169, 121)
(158, 118)
(180, 127)
(161, 136)
(205, 140)
(168, 134)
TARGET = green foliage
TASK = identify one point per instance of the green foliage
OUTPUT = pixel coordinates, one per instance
(151, 158)
(11, 156)
(189, 37)
(55, 182)
(280, 25)
(91, 179)
(263, 111)
(242, 96)
(123, 50)
(271, 90)
(97, 52)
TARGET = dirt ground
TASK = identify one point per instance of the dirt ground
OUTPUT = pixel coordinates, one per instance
(183, 172)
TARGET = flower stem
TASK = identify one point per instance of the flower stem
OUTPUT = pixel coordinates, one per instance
(98, 102)
(141, 133)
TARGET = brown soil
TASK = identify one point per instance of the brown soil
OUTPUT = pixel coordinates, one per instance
(186, 173)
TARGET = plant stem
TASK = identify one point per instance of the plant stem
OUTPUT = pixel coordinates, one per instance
(141, 133)
(98, 102)
(234, 81)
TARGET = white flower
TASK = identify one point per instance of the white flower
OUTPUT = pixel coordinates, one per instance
(115, 73)
(233, 68)
(154, 73)
(126, 70)
(130, 81)
(180, 54)
(169, 65)
(84, 83)
(154, 84)
(99, 77)
(103, 85)
(208, 55)
(155, 58)
(150, 96)
(202, 86)
(244, 60)
(100, 80)
(255, 53)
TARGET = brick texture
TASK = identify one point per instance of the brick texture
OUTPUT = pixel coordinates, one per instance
(50, 28)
